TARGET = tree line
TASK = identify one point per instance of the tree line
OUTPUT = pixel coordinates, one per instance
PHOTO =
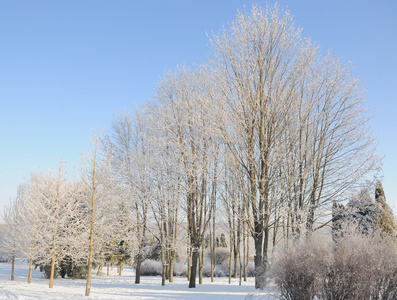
(266, 136)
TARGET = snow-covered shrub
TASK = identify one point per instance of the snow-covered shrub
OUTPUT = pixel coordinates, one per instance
(207, 269)
(180, 269)
(251, 269)
(363, 267)
(221, 256)
(357, 267)
(151, 267)
(221, 270)
(296, 269)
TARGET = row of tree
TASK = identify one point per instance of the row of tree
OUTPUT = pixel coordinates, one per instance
(263, 137)
(54, 220)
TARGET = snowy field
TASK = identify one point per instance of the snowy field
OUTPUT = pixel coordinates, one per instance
(123, 287)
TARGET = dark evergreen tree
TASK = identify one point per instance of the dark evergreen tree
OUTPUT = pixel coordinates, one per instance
(222, 241)
(362, 212)
(338, 218)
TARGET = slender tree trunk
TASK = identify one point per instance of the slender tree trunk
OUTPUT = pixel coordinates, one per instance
(240, 267)
(230, 258)
(213, 196)
(238, 254)
(90, 252)
(108, 271)
(231, 242)
(171, 268)
(201, 263)
(12, 266)
(235, 255)
(138, 269)
(163, 259)
(236, 239)
(31, 265)
(30, 270)
(212, 256)
(141, 238)
(244, 257)
(247, 258)
(52, 269)
(98, 273)
(163, 274)
(189, 262)
(167, 266)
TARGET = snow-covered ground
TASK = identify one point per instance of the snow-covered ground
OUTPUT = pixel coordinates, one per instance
(123, 287)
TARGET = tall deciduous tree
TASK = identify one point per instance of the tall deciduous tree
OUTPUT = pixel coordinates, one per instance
(99, 192)
(182, 98)
(293, 121)
(44, 209)
(129, 148)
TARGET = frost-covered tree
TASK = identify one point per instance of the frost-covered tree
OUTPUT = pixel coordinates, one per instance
(9, 239)
(362, 212)
(99, 193)
(256, 70)
(45, 208)
(182, 97)
(128, 147)
(293, 121)
(385, 221)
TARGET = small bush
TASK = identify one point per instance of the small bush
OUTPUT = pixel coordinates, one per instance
(221, 271)
(251, 269)
(207, 270)
(151, 267)
(180, 269)
(222, 256)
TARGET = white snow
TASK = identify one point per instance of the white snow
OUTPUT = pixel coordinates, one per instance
(123, 287)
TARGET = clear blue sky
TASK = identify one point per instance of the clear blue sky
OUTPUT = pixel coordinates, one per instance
(69, 66)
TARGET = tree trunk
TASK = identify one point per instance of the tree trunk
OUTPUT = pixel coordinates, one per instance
(230, 258)
(189, 262)
(235, 241)
(247, 259)
(138, 269)
(108, 271)
(52, 270)
(213, 226)
(212, 259)
(163, 274)
(30, 270)
(193, 269)
(171, 268)
(201, 265)
(259, 267)
(98, 273)
(240, 267)
(90, 253)
(163, 259)
(12, 267)
(235, 257)
(244, 258)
